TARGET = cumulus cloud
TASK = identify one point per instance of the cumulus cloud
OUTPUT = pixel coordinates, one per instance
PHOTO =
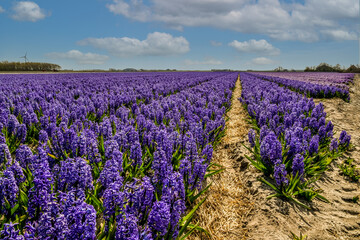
(340, 35)
(1, 9)
(28, 11)
(215, 43)
(262, 61)
(135, 9)
(255, 46)
(301, 21)
(208, 61)
(82, 58)
(156, 44)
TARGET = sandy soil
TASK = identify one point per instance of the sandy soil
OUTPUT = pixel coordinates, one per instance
(229, 202)
(339, 219)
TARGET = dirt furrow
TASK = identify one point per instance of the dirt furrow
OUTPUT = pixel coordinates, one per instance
(229, 202)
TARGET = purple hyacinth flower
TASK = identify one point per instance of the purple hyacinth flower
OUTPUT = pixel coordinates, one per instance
(334, 145)
(262, 119)
(113, 199)
(2, 137)
(322, 121)
(136, 153)
(93, 151)
(314, 125)
(82, 145)
(8, 190)
(198, 173)
(83, 219)
(21, 132)
(17, 171)
(29, 231)
(140, 195)
(298, 166)
(106, 128)
(61, 229)
(45, 228)
(39, 195)
(127, 227)
(52, 223)
(314, 145)
(12, 124)
(5, 156)
(110, 147)
(173, 188)
(146, 234)
(280, 173)
(185, 167)
(161, 165)
(75, 173)
(165, 142)
(173, 193)
(270, 149)
(344, 139)
(112, 170)
(207, 152)
(252, 136)
(329, 129)
(51, 130)
(288, 121)
(43, 136)
(307, 135)
(9, 232)
(159, 217)
(263, 132)
(23, 155)
(322, 133)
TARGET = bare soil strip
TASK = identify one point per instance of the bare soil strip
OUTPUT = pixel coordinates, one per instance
(339, 219)
(229, 202)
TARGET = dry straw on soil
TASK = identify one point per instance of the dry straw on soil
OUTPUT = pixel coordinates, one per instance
(229, 202)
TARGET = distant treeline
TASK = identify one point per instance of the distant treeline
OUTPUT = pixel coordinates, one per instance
(28, 66)
(324, 67)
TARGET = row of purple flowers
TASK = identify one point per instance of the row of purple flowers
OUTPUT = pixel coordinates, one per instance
(317, 89)
(324, 78)
(291, 139)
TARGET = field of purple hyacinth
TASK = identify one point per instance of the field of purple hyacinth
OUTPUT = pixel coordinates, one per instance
(323, 78)
(290, 139)
(316, 85)
(126, 156)
(107, 155)
(301, 151)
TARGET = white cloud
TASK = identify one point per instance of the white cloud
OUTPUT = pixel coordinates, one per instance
(135, 10)
(28, 11)
(340, 35)
(208, 61)
(329, 9)
(82, 58)
(156, 44)
(1, 9)
(275, 18)
(215, 43)
(255, 46)
(262, 61)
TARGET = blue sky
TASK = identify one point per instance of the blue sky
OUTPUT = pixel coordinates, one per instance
(181, 34)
